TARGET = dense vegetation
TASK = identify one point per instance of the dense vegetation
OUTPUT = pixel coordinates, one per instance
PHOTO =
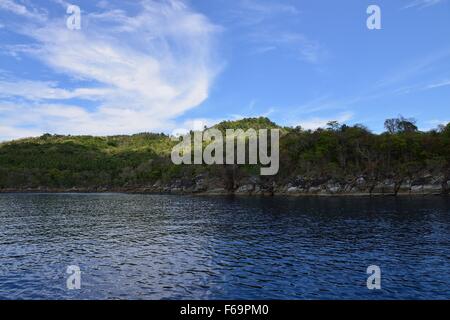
(338, 152)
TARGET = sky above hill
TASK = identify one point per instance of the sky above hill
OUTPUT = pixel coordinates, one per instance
(142, 65)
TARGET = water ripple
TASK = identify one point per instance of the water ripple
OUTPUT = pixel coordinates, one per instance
(170, 247)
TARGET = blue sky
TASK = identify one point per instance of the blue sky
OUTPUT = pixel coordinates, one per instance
(147, 65)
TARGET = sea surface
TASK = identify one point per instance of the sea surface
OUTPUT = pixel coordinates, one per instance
(187, 247)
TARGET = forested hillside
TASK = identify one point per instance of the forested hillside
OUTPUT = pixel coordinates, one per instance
(337, 159)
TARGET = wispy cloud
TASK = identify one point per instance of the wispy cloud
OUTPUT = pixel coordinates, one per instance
(144, 70)
(399, 81)
(321, 122)
(422, 3)
(414, 68)
(439, 84)
(265, 113)
(297, 44)
(11, 132)
(269, 8)
(433, 124)
(41, 90)
(256, 12)
(409, 77)
(259, 23)
(421, 87)
(21, 10)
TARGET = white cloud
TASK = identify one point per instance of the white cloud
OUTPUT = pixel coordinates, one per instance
(409, 77)
(11, 133)
(102, 4)
(147, 69)
(257, 13)
(443, 83)
(267, 9)
(433, 124)
(258, 22)
(40, 90)
(318, 122)
(422, 3)
(200, 123)
(297, 44)
(19, 9)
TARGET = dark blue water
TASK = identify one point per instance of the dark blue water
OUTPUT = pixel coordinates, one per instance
(171, 247)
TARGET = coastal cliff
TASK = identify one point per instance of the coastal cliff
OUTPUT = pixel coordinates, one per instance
(358, 186)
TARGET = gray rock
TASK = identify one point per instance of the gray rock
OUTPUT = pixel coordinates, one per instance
(360, 181)
(432, 188)
(333, 188)
(315, 189)
(417, 189)
(246, 188)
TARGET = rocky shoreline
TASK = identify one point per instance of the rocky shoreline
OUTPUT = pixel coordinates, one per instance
(253, 186)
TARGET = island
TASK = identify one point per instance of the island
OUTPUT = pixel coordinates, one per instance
(336, 160)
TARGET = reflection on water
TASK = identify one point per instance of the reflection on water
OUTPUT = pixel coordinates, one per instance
(174, 247)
